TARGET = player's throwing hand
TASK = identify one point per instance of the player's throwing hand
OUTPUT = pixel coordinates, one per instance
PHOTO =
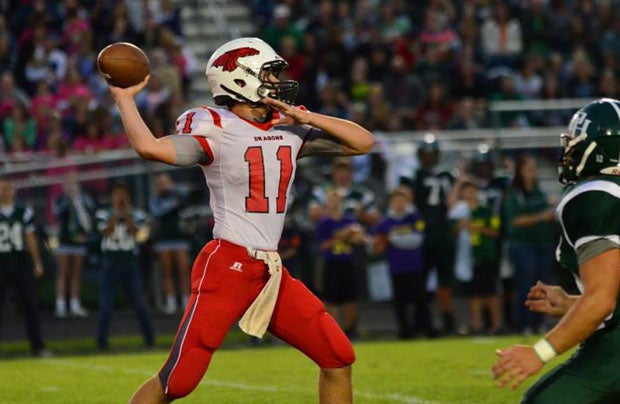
(118, 92)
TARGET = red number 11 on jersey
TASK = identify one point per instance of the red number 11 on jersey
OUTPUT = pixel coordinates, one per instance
(257, 201)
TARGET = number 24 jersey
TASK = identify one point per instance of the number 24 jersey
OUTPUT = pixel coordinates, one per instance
(14, 224)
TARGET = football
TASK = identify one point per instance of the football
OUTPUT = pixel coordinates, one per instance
(123, 64)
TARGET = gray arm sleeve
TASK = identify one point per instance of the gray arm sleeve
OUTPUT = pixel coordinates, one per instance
(592, 249)
(189, 152)
(319, 143)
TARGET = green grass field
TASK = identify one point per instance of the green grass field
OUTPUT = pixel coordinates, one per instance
(455, 370)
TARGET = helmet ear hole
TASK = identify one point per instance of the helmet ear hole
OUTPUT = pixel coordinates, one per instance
(240, 83)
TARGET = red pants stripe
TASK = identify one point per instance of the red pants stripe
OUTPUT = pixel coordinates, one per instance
(225, 281)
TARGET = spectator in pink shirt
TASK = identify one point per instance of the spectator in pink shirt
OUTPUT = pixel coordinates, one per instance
(110, 139)
(437, 35)
(72, 91)
(75, 25)
(90, 141)
(43, 106)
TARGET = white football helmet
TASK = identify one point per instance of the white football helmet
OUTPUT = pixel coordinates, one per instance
(241, 70)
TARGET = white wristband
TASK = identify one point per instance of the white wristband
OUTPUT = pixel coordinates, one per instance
(544, 350)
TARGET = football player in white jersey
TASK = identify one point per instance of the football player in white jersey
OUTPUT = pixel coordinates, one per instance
(248, 152)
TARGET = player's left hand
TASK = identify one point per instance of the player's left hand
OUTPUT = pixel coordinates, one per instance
(289, 114)
(549, 299)
(515, 364)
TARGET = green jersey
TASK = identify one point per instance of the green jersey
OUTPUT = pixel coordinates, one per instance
(119, 245)
(491, 194)
(431, 189)
(165, 209)
(518, 203)
(15, 222)
(484, 247)
(74, 217)
(588, 214)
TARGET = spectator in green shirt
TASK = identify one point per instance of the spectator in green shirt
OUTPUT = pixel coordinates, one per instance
(281, 27)
(481, 226)
(20, 127)
(529, 214)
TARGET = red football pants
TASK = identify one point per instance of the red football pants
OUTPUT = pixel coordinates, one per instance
(225, 281)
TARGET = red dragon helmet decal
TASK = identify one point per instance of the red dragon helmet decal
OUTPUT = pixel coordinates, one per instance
(247, 70)
(228, 60)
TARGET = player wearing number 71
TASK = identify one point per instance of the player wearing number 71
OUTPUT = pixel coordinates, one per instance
(248, 152)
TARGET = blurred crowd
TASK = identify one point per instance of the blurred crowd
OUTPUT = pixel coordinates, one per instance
(390, 65)
(436, 64)
(51, 95)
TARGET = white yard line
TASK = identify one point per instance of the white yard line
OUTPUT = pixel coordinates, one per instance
(484, 340)
(396, 397)
(481, 372)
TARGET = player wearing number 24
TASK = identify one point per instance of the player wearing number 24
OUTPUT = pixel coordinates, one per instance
(248, 152)
(590, 249)
(20, 261)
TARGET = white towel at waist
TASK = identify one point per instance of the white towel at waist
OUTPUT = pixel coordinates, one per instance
(256, 318)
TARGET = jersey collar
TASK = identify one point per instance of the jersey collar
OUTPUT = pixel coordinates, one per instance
(7, 210)
(262, 126)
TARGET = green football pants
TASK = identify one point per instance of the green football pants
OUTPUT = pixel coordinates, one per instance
(591, 375)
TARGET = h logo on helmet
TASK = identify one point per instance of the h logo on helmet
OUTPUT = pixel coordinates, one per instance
(579, 124)
(229, 60)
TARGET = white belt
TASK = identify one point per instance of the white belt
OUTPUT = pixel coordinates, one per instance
(256, 318)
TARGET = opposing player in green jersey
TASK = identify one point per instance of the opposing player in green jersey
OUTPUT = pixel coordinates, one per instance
(120, 225)
(20, 261)
(590, 250)
(431, 186)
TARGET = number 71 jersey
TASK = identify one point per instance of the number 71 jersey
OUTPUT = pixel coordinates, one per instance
(249, 173)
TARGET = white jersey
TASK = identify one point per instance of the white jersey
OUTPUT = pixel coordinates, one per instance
(249, 173)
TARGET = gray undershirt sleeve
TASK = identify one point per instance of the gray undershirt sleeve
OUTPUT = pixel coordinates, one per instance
(592, 249)
(189, 152)
(319, 143)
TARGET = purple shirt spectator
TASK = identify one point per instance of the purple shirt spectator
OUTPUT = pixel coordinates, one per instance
(406, 236)
(326, 228)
